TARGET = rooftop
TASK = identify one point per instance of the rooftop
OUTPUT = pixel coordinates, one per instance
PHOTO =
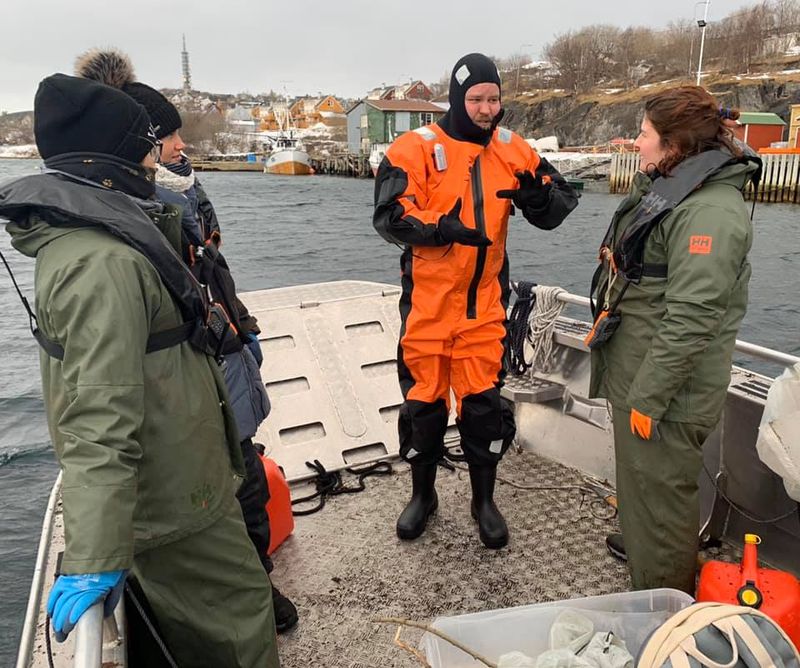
(760, 118)
(404, 105)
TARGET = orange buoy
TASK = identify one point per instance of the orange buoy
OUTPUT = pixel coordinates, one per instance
(775, 593)
(279, 506)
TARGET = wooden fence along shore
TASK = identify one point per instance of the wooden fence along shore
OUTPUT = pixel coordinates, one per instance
(343, 164)
(779, 180)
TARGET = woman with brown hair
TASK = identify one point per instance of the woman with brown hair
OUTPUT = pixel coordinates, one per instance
(671, 292)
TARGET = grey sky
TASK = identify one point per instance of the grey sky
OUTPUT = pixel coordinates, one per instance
(342, 47)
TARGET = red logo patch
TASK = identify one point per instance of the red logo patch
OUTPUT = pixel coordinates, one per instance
(699, 245)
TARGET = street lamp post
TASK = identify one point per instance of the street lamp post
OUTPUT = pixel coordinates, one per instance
(702, 24)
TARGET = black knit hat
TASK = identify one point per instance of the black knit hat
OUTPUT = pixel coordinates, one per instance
(73, 115)
(163, 114)
(114, 68)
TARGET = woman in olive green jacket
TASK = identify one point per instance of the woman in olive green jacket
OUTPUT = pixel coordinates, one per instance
(142, 430)
(674, 270)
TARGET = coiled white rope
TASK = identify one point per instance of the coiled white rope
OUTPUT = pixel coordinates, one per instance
(542, 324)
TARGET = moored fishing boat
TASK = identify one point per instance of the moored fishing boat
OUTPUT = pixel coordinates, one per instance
(287, 157)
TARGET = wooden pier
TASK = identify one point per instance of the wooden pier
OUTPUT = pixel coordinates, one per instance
(780, 180)
(343, 164)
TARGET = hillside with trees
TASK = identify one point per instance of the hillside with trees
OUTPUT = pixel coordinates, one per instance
(592, 82)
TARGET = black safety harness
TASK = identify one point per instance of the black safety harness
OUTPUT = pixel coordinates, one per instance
(624, 258)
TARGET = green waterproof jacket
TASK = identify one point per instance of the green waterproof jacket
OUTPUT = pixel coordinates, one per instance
(146, 442)
(671, 356)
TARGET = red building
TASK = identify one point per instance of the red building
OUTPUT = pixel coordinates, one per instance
(759, 129)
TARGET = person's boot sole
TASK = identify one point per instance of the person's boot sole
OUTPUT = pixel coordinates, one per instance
(404, 534)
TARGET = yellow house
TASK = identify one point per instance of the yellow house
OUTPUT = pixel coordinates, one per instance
(308, 111)
(329, 106)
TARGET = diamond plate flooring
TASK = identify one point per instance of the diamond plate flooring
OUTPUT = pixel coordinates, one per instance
(344, 565)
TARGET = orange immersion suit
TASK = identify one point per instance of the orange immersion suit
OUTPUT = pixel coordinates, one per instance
(454, 297)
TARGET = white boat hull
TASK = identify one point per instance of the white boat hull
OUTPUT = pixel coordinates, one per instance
(288, 161)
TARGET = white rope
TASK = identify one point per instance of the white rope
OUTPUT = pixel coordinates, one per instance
(542, 324)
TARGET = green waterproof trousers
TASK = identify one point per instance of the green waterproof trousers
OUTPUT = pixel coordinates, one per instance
(212, 597)
(659, 511)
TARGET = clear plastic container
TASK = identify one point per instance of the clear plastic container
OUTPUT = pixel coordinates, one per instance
(632, 616)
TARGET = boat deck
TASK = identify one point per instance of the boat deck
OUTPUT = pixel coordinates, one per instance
(344, 566)
(330, 371)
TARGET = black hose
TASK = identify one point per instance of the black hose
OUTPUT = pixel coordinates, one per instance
(329, 483)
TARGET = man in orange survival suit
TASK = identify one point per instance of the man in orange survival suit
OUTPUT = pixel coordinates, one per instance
(445, 191)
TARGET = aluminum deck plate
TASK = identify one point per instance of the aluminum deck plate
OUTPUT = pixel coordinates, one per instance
(330, 368)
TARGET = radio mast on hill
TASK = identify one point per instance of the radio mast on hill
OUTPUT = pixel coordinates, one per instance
(187, 74)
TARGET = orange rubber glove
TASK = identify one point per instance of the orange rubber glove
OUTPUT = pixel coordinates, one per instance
(644, 426)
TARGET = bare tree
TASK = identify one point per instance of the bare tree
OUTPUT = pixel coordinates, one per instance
(441, 86)
(756, 36)
(584, 58)
(205, 132)
(738, 39)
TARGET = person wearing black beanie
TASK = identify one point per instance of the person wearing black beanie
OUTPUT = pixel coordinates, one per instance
(472, 70)
(177, 185)
(127, 367)
(114, 68)
(93, 131)
(445, 192)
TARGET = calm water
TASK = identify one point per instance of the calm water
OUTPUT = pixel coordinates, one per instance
(286, 230)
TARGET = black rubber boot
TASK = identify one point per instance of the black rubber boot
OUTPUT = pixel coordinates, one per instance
(616, 546)
(414, 518)
(285, 612)
(491, 525)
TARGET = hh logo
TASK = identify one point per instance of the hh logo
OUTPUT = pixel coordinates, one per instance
(699, 245)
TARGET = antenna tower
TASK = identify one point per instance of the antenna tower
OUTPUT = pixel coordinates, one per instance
(187, 74)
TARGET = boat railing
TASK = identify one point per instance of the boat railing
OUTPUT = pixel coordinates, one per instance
(750, 349)
(37, 583)
(92, 631)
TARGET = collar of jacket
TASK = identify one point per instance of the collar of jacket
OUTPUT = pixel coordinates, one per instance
(655, 203)
(60, 201)
(107, 171)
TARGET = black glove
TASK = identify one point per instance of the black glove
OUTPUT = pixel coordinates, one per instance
(531, 194)
(452, 231)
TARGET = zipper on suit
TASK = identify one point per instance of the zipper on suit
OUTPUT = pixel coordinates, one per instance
(480, 225)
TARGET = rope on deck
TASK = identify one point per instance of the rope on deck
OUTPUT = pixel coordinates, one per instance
(542, 325)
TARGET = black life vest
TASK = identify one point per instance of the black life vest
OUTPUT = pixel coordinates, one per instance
(666, 194)
(61, 201)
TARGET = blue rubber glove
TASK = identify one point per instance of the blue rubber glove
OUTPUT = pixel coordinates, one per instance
(255, 348)
(72, 595)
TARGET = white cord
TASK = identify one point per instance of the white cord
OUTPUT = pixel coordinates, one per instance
(542, 324)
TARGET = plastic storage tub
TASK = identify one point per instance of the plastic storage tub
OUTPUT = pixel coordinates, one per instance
(632, 616)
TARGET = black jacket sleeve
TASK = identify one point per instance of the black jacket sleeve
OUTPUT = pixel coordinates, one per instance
(397, 217)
